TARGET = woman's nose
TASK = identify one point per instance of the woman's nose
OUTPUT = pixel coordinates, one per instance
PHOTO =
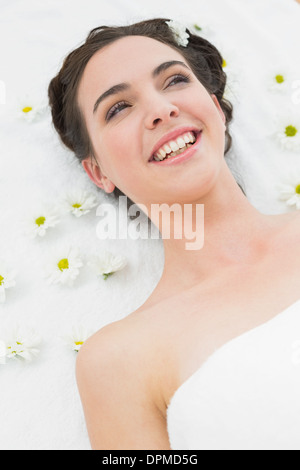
(160, 110)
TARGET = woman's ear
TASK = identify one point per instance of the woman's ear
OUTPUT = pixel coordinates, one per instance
(215, 100)
(95, 174)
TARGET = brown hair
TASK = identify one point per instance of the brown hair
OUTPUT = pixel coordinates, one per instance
(204, 59)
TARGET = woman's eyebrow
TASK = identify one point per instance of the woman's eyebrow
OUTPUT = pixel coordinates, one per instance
(125, 86)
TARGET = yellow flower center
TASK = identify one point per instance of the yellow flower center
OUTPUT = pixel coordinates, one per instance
(224, 63)
(1, 280)
(27, 109)
(15, 351)
(76, 205)
(63, 264)
(290, 131)
(40, 221)
(279, 79)
(298, 189)
(78, 343)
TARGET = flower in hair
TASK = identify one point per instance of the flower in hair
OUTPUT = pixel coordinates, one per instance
(179, 32)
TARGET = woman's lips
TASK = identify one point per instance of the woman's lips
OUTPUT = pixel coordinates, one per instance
(188, 153)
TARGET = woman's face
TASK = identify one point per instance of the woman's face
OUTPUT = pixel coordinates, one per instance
(130, 121)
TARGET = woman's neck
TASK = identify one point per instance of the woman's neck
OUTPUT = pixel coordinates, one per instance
(235, 235)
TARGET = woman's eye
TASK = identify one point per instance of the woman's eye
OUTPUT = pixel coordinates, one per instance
(178, 79)
(122, 104)
(115, 109)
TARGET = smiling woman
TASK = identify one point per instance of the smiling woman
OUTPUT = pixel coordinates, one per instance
(143, 108)
(200, 58)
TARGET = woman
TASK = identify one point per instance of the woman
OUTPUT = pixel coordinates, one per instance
(120, 102)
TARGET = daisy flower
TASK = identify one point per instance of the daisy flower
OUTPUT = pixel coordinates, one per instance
(288, 133)
(277, 82)
(107, 264)
(290, 191)
(40, 220)
(7, 280)
(278, 78)
(2, 352)
(22, 344)
(77, 337)
(30, 108)
(179, 32)
(63, 266)
(80, 202)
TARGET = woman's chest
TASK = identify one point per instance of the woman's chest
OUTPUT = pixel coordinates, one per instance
(202, 320)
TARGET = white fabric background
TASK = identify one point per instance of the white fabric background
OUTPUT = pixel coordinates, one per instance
(39, 403)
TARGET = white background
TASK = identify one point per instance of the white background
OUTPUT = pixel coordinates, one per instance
(39, 403)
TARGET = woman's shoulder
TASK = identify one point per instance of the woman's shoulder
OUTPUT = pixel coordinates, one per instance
(120, 352)
(119, 390)
(127, 333)
(113, 342)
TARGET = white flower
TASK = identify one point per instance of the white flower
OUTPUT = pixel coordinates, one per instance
(30, 108)
(7, 280)
(22, 344)
(179, 32)
(80, 202)
(40, 220)
(290, 191)
(286, 129)
(108, 263)
(63, 266)
(278, 82)
(288, 134)
(77, 337)
(2, 352)
(278, 78)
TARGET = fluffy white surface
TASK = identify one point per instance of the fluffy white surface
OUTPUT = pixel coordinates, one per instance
(39, 402)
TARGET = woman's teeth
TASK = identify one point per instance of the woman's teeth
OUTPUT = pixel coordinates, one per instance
(173, 154)
(175, 147)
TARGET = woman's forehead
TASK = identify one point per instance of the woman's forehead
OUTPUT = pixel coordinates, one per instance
(134, 46)
(124, 60)
(131, 54)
